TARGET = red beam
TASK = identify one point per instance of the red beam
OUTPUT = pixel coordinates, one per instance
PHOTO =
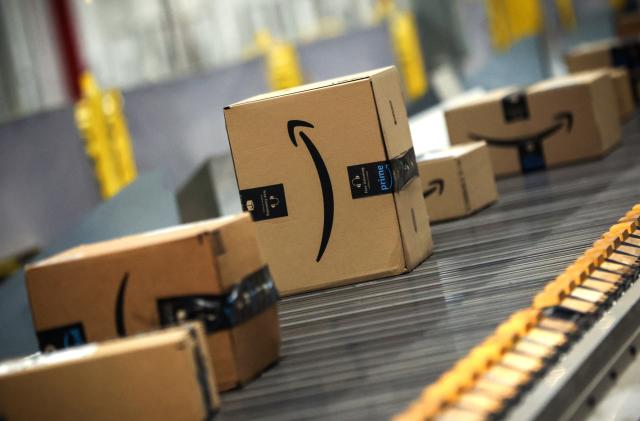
(67, 41)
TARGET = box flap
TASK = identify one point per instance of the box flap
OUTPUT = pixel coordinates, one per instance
(618, 72)
(478, 177)
(453, 152)
(489, 97)
(132, 242)
(606, 112)
(594, 46)
(310, 86)
(575, 79)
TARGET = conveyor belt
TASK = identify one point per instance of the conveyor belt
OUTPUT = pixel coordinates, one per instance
(365, 351)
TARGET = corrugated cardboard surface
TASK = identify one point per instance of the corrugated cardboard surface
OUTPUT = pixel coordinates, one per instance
(579, 113)
(83, 285)
(589, 57)
(628, 25)
(618, 53)
(480, 181)
(160, 375)
(356, 120)
(467, 180)
(444, 202)
(624, 93)
(605, 112)
(394, 124)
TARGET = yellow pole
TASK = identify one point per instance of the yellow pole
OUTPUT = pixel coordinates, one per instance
(120, 138)
(281, 59)
(405, 42)
(102, 125)
(512, 20)
(566, 13)
(406, 46)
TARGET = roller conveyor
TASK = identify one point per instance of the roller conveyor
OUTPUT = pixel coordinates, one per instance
(367, 350)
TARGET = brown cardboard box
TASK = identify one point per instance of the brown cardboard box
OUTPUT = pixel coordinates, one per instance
(457, 181)
(329, 174)
(624, 93)
(591, 56)
(211, 271)
(608, 53)
(551, 123)
(154, 376)
(623, 90)
(628, 25)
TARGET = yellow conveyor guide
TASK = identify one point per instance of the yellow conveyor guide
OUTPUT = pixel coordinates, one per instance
(499, 372)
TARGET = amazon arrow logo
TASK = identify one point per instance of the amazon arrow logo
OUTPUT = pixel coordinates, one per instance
(562, 119)
(323, 176)
(530, 146)
(434, 185)
(120, 328)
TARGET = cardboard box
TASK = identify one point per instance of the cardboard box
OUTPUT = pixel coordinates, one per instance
(624, 93)
(628, 25)
(159, 375)
(608, 53)
(329, 174)
(551, 123)
(211, 271)
(457, 181)
(623, 90)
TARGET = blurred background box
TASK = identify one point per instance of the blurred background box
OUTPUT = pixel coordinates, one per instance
(550, 123)
(457, 181)
(628, 25)
(591, 55)
(160, 375)
(624, 93)
(608, 53)
(623, 90)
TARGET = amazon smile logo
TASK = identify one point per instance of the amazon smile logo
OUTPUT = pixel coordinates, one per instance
(323, 177)
(436, 185)
(530, 146)
(120, 328)
(562, 119)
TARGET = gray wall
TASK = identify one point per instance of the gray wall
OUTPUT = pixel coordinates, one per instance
(47, 183)
(145, 204)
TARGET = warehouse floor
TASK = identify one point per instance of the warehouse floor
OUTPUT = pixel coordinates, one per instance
(365, 351)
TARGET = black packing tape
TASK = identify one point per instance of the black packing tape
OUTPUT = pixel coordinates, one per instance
(251, 296)
(382, 177)
(404, 168)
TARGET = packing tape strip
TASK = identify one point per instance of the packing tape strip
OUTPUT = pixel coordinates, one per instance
(248, 298)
